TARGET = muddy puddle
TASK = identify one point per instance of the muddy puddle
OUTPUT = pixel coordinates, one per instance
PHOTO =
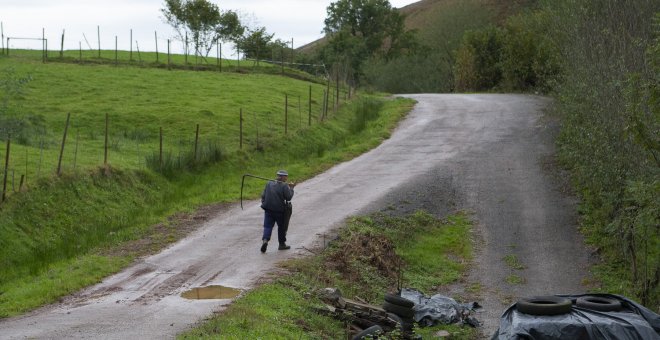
(211, 292)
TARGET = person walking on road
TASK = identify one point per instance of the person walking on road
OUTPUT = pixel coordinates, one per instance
(276, 202)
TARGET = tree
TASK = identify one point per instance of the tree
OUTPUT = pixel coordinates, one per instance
(202, 22)
(256, 43)
(359, 29)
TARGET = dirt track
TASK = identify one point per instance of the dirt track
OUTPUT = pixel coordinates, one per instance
(484, 153)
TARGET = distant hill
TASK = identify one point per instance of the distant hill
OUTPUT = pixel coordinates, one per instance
(423, 15)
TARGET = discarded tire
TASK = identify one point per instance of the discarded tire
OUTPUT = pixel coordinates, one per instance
(397, 319)
(404, 312)
(599, 303)
(407, 324)
(544, 305)
(373, 330)
(397, 300)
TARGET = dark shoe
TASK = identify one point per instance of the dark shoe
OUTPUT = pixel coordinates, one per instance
(264, 246)
(283, 246)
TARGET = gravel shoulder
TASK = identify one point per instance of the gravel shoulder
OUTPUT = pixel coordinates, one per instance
(486, 154)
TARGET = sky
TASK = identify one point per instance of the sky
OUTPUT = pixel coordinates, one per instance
(300, 20)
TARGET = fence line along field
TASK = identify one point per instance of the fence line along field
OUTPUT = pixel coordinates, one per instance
(167, 53)
(137, 117)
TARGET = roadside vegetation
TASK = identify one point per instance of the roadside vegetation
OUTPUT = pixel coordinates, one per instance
(366, 260)
(599, 60)
(61, 233)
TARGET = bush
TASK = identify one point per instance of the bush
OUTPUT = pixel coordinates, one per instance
(609, 104)
(478, 60)
(418, 73)
(530, 58)
(366, 109)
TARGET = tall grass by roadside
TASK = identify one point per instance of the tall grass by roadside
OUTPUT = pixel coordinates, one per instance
(365, 109)
(364, 261)
(169, 165)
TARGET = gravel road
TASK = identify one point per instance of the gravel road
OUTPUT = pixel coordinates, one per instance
(487, 154)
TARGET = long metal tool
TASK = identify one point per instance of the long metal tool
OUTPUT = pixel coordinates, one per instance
(257, 177)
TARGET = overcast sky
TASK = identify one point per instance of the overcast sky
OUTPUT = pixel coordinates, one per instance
(301, 20)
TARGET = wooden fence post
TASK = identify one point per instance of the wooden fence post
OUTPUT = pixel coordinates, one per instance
(26, 164)
(98, 35)
(105, 153)
(327, 104)
(116, 52)
(241, 130)
(130, 54)
(160, 151)
(62, 45)
(286, 114)
(337, 99)
(4, 182)
(156, 39)
(66, 128)
(309, 123)
(196, 143)
(43, 45)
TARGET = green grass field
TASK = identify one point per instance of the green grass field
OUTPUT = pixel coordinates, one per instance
(141, 101)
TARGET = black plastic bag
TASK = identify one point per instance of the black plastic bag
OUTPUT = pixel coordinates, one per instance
(633, 321)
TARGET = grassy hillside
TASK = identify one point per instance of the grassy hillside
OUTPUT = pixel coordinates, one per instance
(57, 234)
(141, 101)
(440, 26)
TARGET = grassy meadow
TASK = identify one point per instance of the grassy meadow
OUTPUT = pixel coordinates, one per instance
(138, 105)
(57, 233)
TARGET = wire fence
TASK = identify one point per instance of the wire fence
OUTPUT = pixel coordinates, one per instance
(170, 150)
(168, 53)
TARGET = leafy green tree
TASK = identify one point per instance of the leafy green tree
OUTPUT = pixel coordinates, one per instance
(202, 23)
(478, 60)
(360, 29)
(256, 43)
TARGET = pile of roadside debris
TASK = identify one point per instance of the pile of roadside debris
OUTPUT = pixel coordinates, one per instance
(398, 313)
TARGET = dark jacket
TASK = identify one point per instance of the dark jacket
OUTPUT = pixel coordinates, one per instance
(275, 195)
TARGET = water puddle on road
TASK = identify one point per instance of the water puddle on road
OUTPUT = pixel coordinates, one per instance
(211, 292)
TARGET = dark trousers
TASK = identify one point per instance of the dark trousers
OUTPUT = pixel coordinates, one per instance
(272, 217)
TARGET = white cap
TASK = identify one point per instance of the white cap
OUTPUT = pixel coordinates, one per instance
(282, 173)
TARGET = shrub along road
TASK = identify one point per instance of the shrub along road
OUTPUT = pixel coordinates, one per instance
(479, 152)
